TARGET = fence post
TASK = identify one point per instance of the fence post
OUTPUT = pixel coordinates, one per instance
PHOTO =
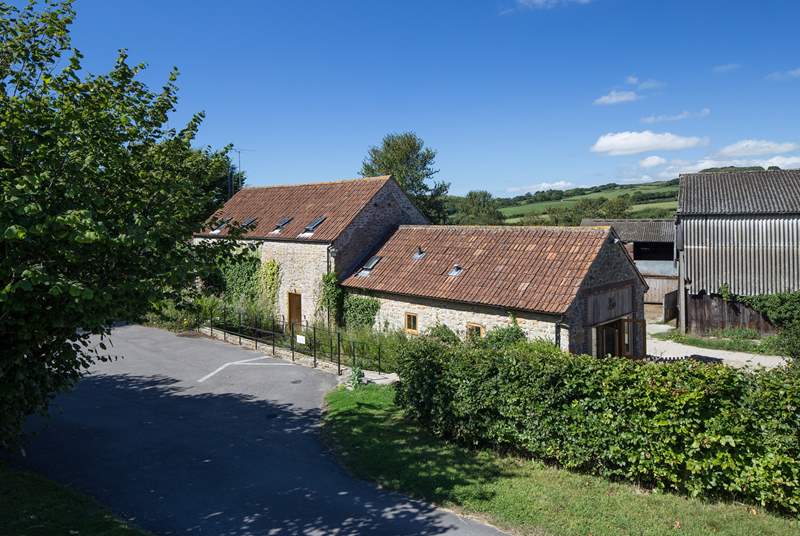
(255, 330)
(224, 319)
(274, 334)
(314, 331)
(379, 356)
(240, 328)
(211, 322)
(291, 334)
(338, 353)
(352, 353)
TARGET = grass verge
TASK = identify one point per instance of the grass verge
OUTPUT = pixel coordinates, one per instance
(373, 440)
(731, 341)
(31, 506)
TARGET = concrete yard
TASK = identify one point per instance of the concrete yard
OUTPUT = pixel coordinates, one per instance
(238, 453)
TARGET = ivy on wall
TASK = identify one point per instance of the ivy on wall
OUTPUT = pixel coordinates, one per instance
(240, 279)
(331, 297)
(360, 311)
(269, 281)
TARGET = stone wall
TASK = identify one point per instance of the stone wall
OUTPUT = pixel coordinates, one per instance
(611, 269)
(456, 316)
(302, 266)
(388, 209)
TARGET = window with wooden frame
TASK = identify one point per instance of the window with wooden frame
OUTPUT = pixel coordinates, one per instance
(411, 323)
(475, 330)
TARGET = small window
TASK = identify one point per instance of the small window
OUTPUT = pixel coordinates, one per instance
(419, 253)
(372, 262)
(455, 270)
(248, 222)
(314, 224)
(411, 323)
(220, 225)
(281, 224)
(475, 331)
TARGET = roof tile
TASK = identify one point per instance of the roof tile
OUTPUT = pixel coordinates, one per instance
(520, 268)
(340, 202)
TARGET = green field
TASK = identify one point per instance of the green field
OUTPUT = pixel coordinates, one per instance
(657, 209)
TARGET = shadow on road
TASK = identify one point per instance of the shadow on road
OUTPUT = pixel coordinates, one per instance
(173, 459)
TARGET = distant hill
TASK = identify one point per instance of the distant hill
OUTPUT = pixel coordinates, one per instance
(650, 200)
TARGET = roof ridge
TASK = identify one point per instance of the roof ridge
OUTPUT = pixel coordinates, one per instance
(577, 228)
(740, 172)
(376, 178)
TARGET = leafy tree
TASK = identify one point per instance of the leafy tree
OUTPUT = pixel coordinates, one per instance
(99, 203)
(405, 157)
(229, 180)
(478, 208)
(616, 207)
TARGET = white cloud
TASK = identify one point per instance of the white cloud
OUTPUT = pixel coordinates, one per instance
(622, 143)
(617, 97)
(547, 4)
(650, 83)
(557, 185)
(784, 75)
(637, 180)
(686, 114)
(676, 167)
(757, 148)
(725, 68)
(652, 161)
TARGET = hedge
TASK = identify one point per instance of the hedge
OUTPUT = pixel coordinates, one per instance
(685, 427)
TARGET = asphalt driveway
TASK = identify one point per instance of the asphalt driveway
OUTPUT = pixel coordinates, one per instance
(237, 453)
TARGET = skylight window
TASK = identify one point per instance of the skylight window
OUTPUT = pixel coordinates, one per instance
(220, 225)
(419, 253)
(314, 224)
(281, 224)
(455, 270)
(371, 263)
(248, 222)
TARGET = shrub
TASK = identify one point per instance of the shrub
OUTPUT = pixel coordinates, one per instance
(685, 427)
(503, 336)
(443, 334)
(360, 311)
(780, 309)
(788, 341)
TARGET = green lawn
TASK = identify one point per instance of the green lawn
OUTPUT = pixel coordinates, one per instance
(732, 340)
(31, 506)
(372, 439)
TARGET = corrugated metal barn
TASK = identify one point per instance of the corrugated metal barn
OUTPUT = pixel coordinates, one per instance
(740, 229)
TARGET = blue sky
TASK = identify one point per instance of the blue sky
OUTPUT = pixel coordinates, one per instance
(515, 95)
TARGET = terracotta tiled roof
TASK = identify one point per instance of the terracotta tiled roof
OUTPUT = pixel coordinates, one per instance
(520, 268)
(740, 192)
(339, 202)
(638, 230)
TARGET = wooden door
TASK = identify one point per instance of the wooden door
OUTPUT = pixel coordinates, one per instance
(295, 309)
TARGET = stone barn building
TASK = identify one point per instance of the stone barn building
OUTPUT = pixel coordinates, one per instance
(311, 229)
(651, 244)
(577, 286)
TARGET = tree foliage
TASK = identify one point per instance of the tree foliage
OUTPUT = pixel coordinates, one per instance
(477, 208)
(405, 157)
(99, 202)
